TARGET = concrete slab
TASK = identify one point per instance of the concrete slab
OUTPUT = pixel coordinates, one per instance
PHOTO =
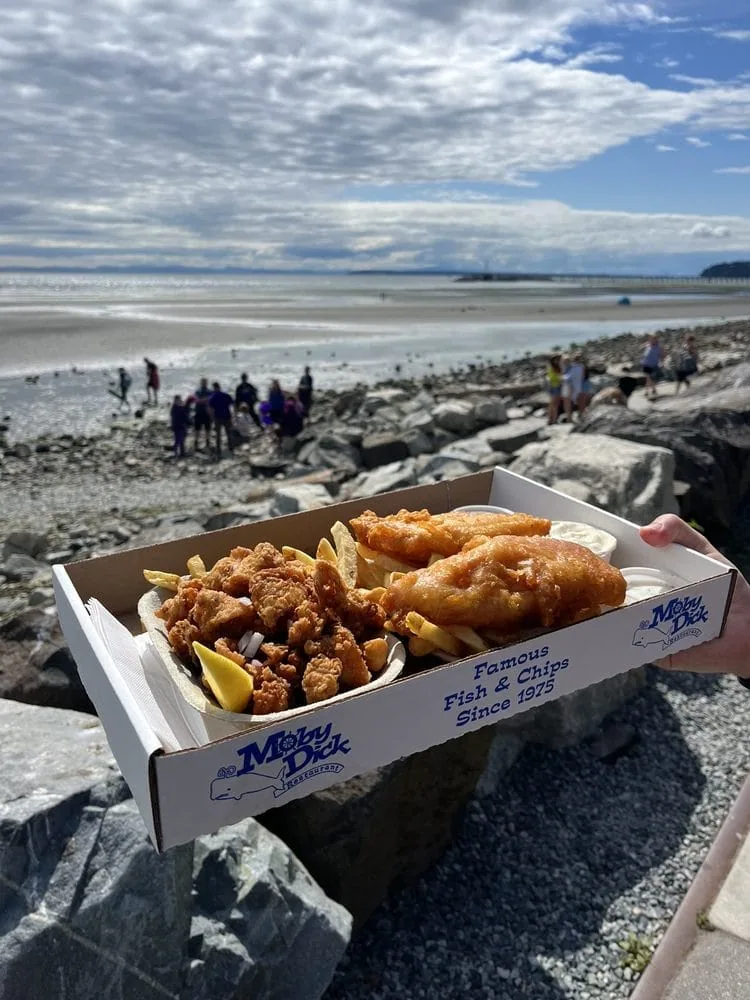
(731, 910)
(718, 968)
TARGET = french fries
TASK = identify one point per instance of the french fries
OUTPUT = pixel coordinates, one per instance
(469, 637)
(369, 575)
(385, 562)
(433, 633)
(167, 581)
(420, 647)
(196, 566)
(346, 553)
(326, 552)
(297, 555)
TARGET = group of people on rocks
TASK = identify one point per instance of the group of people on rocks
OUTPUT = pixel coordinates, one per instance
(568, 385)
(234, 417)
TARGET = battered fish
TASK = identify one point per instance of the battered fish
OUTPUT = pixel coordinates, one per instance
(507, 583)
(414, 536)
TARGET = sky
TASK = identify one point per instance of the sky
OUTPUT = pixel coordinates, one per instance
(542, 135)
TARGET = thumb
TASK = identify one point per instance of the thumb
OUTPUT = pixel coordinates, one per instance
(668, 529)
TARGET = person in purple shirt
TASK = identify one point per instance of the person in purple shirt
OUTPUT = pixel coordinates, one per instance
(220, 404)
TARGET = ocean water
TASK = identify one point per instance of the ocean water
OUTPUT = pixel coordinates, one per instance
(72, 331)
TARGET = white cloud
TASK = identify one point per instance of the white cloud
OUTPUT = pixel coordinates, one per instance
(173, 127)
(694, 81)
(667, 63)
(665, 149)
(733, 35)
(738, 137)
(733, 170)
(705, 231)
(698, 143)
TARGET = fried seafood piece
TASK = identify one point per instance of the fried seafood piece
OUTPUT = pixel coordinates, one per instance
(218, 615)
(270, 692)
(178, 608)
(342, 646)
(415, 535)
(507, 583)
(228, 648)
(278, 592)
(233, 573)
(181, 637)
(321, 678)
(350, 607)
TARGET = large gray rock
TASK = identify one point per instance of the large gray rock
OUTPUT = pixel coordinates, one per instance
(303, 496)
(514, 435)
(709, 433)
(380, 399)
(234, 515)
(167, 530)
(88, 909)
(27, 543)
(439, 467)
(261, 926)
(633, 480)
(420, 420)
(382, 449)
(457, 416)
(395, 476)
(418, 442)
(491, 411)
(20, 567)
(366, 836)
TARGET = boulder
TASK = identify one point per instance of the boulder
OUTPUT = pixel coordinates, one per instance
(514, 435)
(395, 476)
(303, 496)
(26, 543)
(267, 467)
(632, 480)
(366, 836)
(439, 467)
(418, 442)
(261, 926)
(88, 909)
(382, 449)
(20, 450)
(20, 567)
(166, 530)
(457, 416)
(709, 433)
(35, 664)
(230, 517)
(491, 411)
(380, 399)
(574, 717)
(420, 420)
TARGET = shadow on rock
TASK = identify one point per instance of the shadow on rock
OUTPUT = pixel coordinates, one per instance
(534, 873)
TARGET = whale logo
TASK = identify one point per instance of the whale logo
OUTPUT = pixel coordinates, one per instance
(236, 786)
(649, 634)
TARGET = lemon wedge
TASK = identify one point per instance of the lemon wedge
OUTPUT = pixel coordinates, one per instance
(232, 686)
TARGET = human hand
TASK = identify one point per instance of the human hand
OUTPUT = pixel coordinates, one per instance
(729, 654)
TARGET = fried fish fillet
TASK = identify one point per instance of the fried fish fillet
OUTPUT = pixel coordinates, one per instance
(507, 583)
(415, 535)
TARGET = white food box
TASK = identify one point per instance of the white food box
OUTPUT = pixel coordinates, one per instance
(189, 790)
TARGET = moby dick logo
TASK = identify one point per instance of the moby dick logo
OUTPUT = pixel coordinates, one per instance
(671, 622)
(283, 761)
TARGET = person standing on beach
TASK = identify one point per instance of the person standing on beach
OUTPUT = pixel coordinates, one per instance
(651, 360)
(574, 377)
(247, 395)
(179, 418)
(220, 405)
(152, 382)
(202, 418)
(687, 363)
(276, 402)
(554, 388)
(305, 391)
(124, 382)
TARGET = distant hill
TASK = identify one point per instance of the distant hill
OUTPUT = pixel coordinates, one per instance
(737, 269)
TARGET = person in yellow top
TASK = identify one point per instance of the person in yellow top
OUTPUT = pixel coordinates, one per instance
(554, 388)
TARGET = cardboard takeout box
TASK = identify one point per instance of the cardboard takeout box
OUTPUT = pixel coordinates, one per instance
(183, 793)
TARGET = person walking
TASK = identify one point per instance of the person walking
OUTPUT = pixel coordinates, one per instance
(220, 405)
(152, 382)
(179, 418)
(247, 395)
(687, 363)
(651, 359)
(124, 381)
(305, 391)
